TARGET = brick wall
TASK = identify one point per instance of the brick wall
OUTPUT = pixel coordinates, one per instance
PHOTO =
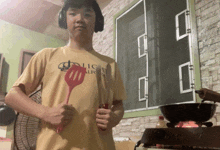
(208, 23)
(208, 30)
(103, 41)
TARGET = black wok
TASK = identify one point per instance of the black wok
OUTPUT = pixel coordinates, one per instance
(7, 115)
(198, 112)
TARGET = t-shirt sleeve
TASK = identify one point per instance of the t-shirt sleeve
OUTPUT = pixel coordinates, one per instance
(33, 74)
(119, 89)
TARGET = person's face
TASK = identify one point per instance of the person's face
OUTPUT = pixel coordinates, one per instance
(81, 21)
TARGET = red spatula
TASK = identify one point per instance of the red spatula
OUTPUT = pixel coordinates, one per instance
(74, 76)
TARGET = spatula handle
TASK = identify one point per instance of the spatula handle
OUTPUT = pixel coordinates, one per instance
(60, 127)
(68, 95)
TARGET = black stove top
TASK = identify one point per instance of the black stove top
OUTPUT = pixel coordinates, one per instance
(192, 138)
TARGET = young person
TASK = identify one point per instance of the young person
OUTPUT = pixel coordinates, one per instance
(86, 126)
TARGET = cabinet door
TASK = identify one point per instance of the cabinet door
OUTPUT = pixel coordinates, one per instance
(3, 77)
(153, 54)
(24, 60)
(131, 56)
(170, 79)
(1, 64)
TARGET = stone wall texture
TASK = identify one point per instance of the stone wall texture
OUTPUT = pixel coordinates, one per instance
(208, 30)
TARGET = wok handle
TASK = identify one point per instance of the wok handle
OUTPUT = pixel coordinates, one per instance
(137, 144)
(208, 95)
(198, 92)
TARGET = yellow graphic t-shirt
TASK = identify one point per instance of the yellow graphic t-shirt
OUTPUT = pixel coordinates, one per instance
(48, 68)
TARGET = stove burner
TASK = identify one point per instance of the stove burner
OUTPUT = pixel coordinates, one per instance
(183, 138)
(173, 125)
(207, 124)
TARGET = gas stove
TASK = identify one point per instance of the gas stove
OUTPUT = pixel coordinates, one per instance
(182, 138)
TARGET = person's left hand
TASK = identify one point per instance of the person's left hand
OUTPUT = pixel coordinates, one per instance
(104, 118)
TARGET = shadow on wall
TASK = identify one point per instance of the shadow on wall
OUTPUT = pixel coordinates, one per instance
(4, 79)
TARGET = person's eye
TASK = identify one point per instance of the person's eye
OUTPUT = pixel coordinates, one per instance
(87, 15)
(72, 14)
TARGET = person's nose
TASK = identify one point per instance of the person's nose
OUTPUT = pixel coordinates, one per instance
(79, 18)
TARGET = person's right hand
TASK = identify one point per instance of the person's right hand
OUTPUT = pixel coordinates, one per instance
(62, 114)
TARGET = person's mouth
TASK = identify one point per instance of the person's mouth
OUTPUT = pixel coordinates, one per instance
(79, 27)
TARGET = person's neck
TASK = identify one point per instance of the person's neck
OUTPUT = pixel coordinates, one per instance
(80, 45)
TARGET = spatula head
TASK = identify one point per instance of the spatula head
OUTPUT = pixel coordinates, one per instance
(75, 75)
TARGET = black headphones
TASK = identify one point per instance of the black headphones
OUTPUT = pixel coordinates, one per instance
(99, 22)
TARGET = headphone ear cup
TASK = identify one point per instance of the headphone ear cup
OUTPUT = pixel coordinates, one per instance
(99, 24)
(62, 19)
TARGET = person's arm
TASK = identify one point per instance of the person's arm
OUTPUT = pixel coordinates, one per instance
(118, 111)
(19, 101)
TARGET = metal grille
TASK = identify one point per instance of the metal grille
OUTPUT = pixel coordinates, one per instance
(129, 27)
(26, 128)
(162, 56)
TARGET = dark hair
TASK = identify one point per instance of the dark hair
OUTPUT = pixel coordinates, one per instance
(99, 22)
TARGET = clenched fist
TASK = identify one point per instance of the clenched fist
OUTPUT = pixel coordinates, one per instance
(62, 114)
(104, 118)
